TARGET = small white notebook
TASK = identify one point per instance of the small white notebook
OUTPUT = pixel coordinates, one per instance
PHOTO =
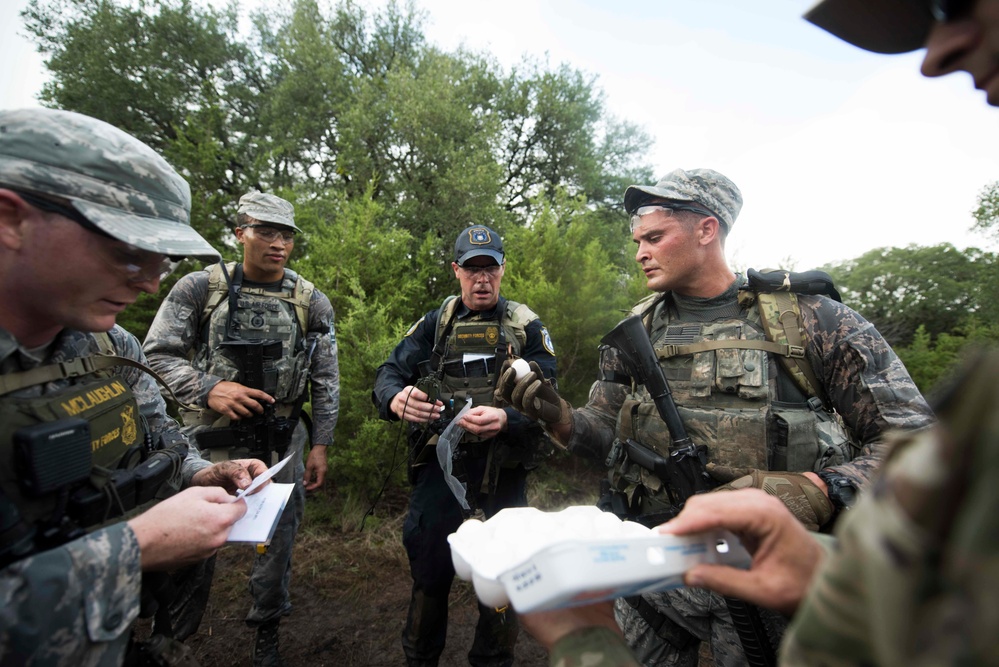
(263, 509)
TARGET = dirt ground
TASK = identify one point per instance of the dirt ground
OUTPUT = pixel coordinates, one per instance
(351, 589)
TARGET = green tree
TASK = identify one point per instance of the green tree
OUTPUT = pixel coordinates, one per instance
(900, 289)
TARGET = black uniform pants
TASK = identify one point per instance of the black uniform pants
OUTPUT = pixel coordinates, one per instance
(434, 514)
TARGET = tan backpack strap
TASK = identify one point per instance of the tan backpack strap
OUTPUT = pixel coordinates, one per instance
(300, 300)
(781, 319)
(218, 289)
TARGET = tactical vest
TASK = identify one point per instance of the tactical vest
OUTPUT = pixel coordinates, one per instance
(473, 348)
(261, 316)
(76, 452)
(731, 396)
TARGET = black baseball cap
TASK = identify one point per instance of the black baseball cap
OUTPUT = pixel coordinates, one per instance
(477, 242)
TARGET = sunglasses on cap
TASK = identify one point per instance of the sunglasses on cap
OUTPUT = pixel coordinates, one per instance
(137, 265)
(668, 209)
(271, 234)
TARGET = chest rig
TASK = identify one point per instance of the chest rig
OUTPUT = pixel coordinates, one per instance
(75, 451)
(472, 350)
(257, 316)
(742, 387)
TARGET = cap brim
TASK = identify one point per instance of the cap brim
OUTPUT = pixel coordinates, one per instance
(281, 222)
(881, 26)
(159, 235)
(636, 194)
(498, 256)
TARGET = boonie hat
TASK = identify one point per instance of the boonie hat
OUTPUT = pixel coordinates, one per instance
(882, 26)
(704, 186)
(476, 242)
(268, 208)
(108, 176)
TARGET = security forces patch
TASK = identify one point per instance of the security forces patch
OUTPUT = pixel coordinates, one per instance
(546, 340)
(479, 236)
(413, 328)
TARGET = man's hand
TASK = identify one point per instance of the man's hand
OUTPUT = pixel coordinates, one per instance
(550, 626)
(315, 468)
(785, 555)
(412, 405)
(237, 401)
(534, 396)
(484, 421)
(185, 528)
(803, 497)
(230, 475)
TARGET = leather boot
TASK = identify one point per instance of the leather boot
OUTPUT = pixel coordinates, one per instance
(265, 648)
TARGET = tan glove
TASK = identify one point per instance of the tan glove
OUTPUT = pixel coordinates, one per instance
(532, 395)
(806, 501)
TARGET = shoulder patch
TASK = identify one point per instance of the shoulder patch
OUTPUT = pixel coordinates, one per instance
(413, 328)
(546, 340)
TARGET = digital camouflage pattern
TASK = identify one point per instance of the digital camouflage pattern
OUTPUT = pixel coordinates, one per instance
(704, 186)
(915, 577)
(270, 208)
(110, 177)
(175, 337)
(177, 350)
(865, 383)
(74, 605)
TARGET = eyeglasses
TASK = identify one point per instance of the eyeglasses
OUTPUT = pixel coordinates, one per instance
(136, 264)
(950, 10)
(271, 234)
(475, 271)
(668, 209)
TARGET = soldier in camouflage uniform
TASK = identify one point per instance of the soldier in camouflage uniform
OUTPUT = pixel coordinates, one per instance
(186, 345)
(89, 218)
(733, 400)
(912, 579)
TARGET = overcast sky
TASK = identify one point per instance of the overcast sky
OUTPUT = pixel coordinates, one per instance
(836, 151)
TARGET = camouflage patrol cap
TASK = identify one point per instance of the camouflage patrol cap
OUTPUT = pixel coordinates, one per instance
(703, 186)
(882, 26)
(111, 178)
(268, 208)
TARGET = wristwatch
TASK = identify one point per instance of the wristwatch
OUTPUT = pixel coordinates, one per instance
(841, 490)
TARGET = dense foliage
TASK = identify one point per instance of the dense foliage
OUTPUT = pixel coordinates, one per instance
(388, 146)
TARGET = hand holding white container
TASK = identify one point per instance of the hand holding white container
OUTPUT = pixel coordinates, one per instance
(538, 561)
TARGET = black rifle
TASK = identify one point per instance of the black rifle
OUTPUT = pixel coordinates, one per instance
(683, 473)
(263, 433)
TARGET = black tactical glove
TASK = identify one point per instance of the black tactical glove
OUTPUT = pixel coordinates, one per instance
(806, 501)
(532, 395)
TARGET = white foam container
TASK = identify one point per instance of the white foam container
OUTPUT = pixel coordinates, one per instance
(582, 569)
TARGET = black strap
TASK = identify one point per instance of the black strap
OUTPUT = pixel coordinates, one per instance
(235, 284)
(665, 629)
(440, 347)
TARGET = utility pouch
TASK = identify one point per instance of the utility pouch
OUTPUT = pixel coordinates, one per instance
(52, 455)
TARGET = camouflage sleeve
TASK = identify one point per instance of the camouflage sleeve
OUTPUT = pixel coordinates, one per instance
(592, 647)
(594, 424)
(864, 379)
(173, 339)
(325, 369)
(916, 573)
(151, 404)
(72, 605)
